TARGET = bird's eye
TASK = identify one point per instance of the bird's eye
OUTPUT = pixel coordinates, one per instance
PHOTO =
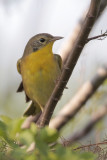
(42, 40)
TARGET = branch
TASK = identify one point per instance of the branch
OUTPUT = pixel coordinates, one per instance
(102, 7)
(77, 102)
(100, 149)
(90, 145)
(26, 124)
(70, 64)
(94, 119)
(104, 35)
(70, 43)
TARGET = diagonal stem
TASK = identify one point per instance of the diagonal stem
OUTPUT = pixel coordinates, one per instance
(71, 62)
(81, 97)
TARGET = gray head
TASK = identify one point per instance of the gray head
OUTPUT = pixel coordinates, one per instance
(39, 41)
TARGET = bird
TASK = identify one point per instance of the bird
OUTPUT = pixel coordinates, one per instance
(40, 69)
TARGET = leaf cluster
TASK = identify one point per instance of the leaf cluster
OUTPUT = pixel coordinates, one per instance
(16, 143)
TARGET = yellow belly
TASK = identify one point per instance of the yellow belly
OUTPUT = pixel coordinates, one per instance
(39, 73)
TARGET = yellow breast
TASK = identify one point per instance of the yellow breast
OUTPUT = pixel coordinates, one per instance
(39, 72)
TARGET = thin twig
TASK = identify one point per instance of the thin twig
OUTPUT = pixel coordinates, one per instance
(99, 37)
(89, 145)
(70, 64)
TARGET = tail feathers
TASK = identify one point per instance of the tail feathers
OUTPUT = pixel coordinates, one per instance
(20, 88)
(33, 109)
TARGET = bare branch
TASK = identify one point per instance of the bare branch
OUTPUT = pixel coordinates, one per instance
(69, 44)
(89, 145)
(99, 149)
(99, 37)
(71, 62)
(29, 120)
(94, 119)
(103, 6)
(77, 102)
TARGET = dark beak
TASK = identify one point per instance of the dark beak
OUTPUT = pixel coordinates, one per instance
(56, 38)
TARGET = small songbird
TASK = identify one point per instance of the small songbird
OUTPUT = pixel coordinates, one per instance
(40, 69)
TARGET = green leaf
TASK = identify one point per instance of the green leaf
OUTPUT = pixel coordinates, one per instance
(87, 156)
(48, 135)
(34, 129)
(5, 119)
(26, 137)
(4, 134)
(14, 127)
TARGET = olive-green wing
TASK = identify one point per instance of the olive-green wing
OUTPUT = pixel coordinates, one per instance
(18, 66)
(33, 108)
(59, 60)
(20, 88)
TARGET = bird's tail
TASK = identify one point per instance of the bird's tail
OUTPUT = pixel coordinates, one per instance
(33, 109)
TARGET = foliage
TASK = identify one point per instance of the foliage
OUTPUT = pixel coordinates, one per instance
(15, 143)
